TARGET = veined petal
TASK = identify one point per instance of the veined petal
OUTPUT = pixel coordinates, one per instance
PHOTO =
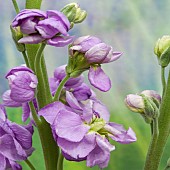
(59, 16)
(72, 101)
(7, 101)
(99, 79)
(78, 149)
(70, 126)
(10, 149)
(31, 39)
(60, 41)
(2, 162)
(50, 111)
(119, 134)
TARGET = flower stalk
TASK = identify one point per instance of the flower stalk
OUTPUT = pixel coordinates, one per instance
(31, 166)
(163, 79)
(58, 92)
(164, 128)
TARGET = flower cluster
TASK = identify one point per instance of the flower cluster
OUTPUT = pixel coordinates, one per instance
(78, 122)
(81, 125)
(51, 26)
(15, 142)
(89, 52)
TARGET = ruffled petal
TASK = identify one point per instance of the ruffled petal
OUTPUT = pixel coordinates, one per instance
(72, 101)
(80, 149)
(101, 110)
(31, 39)
(7, 101)
(101, 154)
(50, 111)
(119, 134)
(70, 126)
(60, 41)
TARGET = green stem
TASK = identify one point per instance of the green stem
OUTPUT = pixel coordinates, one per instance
(26, 59)
(49, 146)
(167, 167)
(30, 164)
(15, 6)
(34, 114)
(163, 79)
(46, 82)
(41, 90)
(153, 145)
(60, 162)
(33, 4)
(164, 129)
(60, 87)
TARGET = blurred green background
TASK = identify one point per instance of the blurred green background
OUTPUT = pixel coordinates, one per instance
(129, 26)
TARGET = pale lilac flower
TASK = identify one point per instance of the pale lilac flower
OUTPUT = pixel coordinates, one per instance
(23, 83)
(80, 135)
(96, 53)
(15, 142)
(43, 26)
(59, 74)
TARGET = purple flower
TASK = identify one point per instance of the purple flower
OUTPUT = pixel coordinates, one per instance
(84, 136)
(23, 83)
(41, 26)
(95, 53)
(59, 74)
(15, 142)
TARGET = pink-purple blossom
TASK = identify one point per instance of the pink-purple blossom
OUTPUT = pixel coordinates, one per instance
(84, 135)
(51, 26)
(15, 142)
(95, 53)
(22, 83)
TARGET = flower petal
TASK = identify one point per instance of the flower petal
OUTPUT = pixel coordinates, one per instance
(78, 149)
(2, 162)
(50, 111)
(99, 79)
(119, 134)
(31, 39)
(72, 101)
(7, 101)
(60, 41)
(101, 110)
(70, 126)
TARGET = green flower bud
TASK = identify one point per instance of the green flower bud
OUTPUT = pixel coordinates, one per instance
(17, 35)
(162, 50)
(77, 64)
(74, 13)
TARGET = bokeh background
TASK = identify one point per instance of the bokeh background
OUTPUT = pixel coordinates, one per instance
(129, 26)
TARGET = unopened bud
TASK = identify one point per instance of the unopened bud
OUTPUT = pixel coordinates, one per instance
(17, 35)
(74, 13)
(162, 50)
(146, 103)
(135, 103)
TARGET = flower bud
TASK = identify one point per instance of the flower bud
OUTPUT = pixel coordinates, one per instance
(135, 103)
(74, 13)
(162, 50)
(17, 35)
(147, 104)
(153, 95)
